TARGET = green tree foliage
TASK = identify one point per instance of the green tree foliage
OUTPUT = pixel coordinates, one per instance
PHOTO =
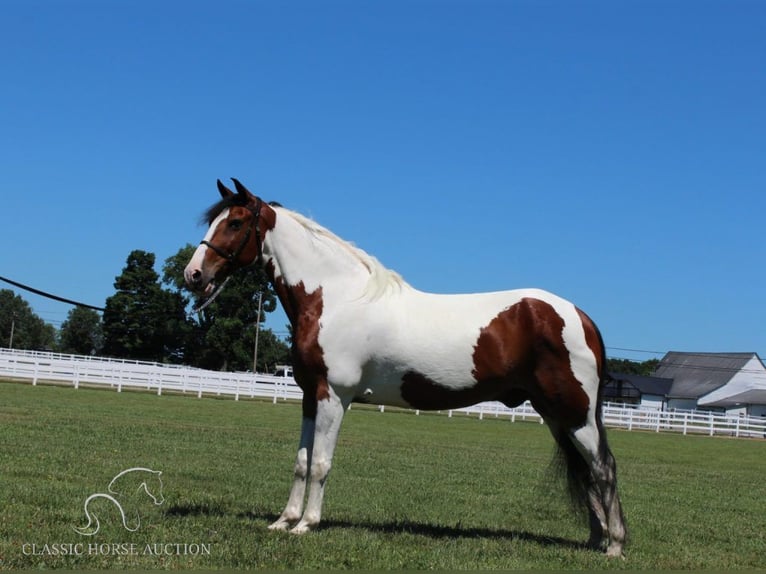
(29, 330)
(81, 333)
(222, 336)
(141, 320)
(629, 367)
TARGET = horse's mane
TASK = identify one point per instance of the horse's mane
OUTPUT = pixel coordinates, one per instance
(381, 278)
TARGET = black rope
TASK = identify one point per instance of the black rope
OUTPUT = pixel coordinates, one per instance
(50, 296)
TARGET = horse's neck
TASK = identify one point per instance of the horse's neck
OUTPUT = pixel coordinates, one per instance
(302, 257)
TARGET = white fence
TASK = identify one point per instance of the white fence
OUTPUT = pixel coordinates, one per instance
(620, 416)
(155, 377)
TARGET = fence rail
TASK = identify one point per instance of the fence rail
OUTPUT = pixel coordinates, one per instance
(156, 377)
(120, 374)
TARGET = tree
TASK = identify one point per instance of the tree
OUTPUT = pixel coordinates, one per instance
(629, 367)
(141, 320)
(223, 334)
(20, 327)
(81, 333)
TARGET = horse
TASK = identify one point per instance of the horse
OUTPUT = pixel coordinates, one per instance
(126, 485)
(362, 334)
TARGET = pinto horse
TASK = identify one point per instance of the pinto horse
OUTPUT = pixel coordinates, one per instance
(362, 334)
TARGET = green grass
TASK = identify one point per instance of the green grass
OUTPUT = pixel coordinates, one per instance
(406, 491)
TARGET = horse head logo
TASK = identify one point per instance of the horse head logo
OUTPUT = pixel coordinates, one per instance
(125, 491)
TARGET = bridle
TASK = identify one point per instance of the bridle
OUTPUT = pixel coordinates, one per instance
(232, 257)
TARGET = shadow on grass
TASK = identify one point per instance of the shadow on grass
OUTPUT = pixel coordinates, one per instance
(391, 527)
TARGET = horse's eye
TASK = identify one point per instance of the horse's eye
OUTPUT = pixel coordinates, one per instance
(235, 224)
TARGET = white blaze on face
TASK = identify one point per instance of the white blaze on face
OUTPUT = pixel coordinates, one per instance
(198, 259)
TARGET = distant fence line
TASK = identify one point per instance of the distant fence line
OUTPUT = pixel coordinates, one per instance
(119, 374)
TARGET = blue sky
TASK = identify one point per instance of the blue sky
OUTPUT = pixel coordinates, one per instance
(611, 152)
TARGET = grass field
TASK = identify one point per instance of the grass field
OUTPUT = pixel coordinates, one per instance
(414, 492)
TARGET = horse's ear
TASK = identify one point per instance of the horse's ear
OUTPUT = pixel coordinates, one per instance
(241, 189)
(223, 190)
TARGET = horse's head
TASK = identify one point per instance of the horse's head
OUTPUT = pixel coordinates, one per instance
(153, 486)
(238, 224)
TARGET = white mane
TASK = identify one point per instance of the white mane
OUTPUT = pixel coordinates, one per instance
(381, 278)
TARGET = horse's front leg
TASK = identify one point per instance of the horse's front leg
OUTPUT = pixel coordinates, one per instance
(329, 416)
(292, 512)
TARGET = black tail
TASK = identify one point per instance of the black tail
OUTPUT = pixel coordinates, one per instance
(569, 461)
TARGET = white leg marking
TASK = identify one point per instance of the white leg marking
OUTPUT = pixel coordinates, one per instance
(329, 417)
(292, 512)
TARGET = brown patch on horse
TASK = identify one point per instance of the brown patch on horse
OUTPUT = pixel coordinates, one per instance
(304, 310)
(501, 368)
(267, 220)
(282, 291)
(558, 393)
(420, 392)
(519, 355)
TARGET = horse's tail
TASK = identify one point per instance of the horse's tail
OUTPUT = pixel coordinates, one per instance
(570, 462)
(90, 529)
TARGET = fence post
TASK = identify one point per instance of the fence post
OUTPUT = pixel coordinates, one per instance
(710, 422)
(686, 422)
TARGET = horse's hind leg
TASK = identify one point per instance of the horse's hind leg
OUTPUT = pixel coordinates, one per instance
(582, 486)
(590, 441)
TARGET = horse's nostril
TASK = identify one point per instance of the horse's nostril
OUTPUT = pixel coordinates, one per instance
(196, 275)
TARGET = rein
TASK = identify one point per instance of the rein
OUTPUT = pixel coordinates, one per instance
(231, 258)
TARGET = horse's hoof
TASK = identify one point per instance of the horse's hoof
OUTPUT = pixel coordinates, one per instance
(615, 551)
(302, 528)
(280, 524)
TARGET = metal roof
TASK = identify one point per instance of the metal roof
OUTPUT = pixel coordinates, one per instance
(697, 374)
(751, 397)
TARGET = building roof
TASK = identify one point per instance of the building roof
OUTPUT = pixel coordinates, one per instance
(697, 374)
(751, 397)
(626, 385)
